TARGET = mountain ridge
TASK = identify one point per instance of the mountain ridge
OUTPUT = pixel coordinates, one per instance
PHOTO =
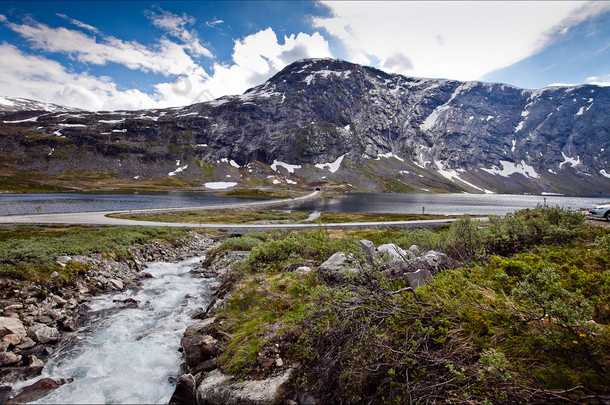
(387, 132)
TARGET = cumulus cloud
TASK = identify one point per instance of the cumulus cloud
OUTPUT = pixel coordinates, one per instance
(166, 57)
(476, 37)
(39, 78)
(255, 58)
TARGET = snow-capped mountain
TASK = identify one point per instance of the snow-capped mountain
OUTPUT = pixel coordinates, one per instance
(334, 121)
(12, 104)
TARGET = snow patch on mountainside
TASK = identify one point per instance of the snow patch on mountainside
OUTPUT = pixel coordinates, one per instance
(287, 166)
(332, 167)
(509, 168)
(568, 160)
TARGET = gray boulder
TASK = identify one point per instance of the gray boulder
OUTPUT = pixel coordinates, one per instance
(337, 267)
(418, 278)
(393, 252)
(215, 388)
(7, 358)
(368, 248)
(433, 261)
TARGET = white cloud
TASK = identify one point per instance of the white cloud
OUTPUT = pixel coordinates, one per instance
(166, 57)
(175, 25)
(78, 23)
(38, 78)
(457, 40)
(255, 58)
(214, 22)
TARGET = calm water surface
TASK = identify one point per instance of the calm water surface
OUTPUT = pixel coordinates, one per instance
(17, 204)
(450, 204)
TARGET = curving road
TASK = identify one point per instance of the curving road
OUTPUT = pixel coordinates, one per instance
(102, 218)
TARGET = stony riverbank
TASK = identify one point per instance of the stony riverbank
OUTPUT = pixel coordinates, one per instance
(271, 382)
(35, 317)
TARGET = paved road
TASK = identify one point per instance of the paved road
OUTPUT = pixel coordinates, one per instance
(101, 218)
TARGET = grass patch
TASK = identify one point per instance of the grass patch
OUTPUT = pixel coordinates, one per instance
(29, 252)
(524, 320)
(221, 217)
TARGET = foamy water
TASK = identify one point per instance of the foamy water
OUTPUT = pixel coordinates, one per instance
(129, 355)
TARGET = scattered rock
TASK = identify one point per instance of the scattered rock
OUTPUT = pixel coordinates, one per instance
(46, 334)
(418, 278)
(198, 349)
(215, 388)
(37, 390)
(368, 248)
(26, 343)
(394, 252)
(185, 392)
(7, 358)
(11, 326)
(337, 267)
(118, 284)
(12, 339)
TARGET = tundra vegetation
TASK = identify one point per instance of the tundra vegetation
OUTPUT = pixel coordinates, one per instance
(523, 317)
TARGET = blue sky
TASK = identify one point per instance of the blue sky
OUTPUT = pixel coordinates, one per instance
(137, 54)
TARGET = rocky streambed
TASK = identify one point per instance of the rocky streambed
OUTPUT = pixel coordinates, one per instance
(43, 328)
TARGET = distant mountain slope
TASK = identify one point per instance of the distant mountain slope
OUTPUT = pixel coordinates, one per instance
(13, 104)
(324, 120)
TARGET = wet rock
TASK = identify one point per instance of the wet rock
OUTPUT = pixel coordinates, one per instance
(198, 349)
(5, 393)
(11, 326)
(128, 303)
(118, 284)
(185, 392)
(15, 374)
(215, 388)
(4, 346)
(37, 390)
(7, 358)
(418, 278)
(368, 248)
(44, 319)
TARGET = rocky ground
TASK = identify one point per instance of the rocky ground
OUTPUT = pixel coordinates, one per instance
(203, 382)
(35, 317)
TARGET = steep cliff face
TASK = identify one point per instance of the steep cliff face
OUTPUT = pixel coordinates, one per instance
(345, 123)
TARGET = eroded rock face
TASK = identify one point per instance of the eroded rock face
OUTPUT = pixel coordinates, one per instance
(215, 388)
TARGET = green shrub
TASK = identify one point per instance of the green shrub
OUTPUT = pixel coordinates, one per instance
(241, 243)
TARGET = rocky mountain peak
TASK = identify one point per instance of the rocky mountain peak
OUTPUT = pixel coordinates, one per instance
(325, 119)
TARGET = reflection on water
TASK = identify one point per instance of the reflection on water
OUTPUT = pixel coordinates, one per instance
(450, 204)
(16, 204)
(447, 204)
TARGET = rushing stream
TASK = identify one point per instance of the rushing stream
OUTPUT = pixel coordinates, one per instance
(127, 355)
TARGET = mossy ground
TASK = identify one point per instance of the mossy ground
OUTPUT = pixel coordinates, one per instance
(525, 319)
